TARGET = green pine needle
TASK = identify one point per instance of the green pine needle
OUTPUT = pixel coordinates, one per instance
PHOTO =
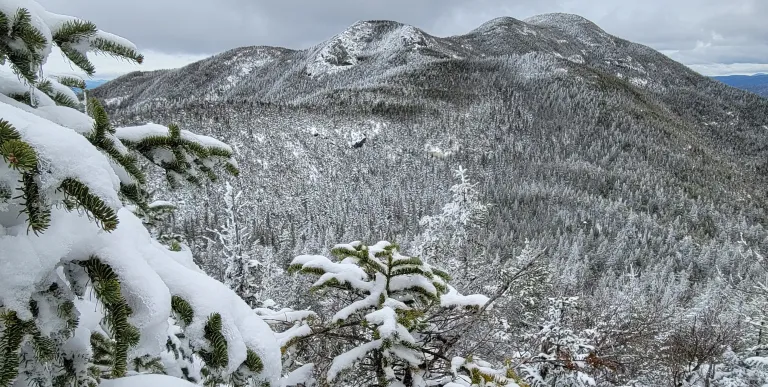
(8, 132)
(217, 357)
(38, 214)
(253, 362)
(232, 169)
(183, 310)
(61, 99)
(106, 285)
(99, 115)
(109, 47)
(84, 199)
(23, 98)
(4, 24)
(74, 31)
(19, 155)
(78, 58)
(72, 82)
(10, 343)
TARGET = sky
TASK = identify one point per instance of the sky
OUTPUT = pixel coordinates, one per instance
(713, 37)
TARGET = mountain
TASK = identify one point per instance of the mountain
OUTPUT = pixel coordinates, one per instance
(607, 153)
(545, 113)
(94, 83)
(757, 83)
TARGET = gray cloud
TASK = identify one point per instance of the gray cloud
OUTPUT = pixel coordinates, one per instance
(696, 32)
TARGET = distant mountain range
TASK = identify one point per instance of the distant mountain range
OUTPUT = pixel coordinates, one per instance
(757, 83)
(93, 83)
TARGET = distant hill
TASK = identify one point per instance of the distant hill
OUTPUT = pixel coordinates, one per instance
(757, 83)
(93, 83)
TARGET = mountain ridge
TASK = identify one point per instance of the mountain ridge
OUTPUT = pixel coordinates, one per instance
(756, 83)
(582, 141)
(395, 45)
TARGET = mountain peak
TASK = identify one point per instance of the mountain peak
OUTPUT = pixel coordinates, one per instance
(361, 40)
(576, 26)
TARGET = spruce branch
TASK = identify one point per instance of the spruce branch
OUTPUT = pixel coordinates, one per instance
(101, 45)
(79, 194)
(78, 58)
(183, 310)
(72, 82)
(38, 214)
(106, 285)
(217, 357)
(10, 343)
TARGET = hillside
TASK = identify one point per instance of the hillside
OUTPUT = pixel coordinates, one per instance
(541, 112)
(605, 152)
(757, 83)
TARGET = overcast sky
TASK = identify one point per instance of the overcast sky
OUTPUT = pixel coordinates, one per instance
(711, 36)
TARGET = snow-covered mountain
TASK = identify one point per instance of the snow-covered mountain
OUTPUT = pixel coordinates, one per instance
(606, 152)
(371, 53)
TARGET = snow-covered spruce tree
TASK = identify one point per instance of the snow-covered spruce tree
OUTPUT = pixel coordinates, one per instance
(448, 232)
(68, 245)
(565, 358)
(237, 248)
(401, 324)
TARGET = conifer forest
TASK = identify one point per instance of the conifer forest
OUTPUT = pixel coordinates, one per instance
(533, 203)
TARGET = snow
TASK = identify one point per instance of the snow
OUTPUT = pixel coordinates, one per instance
(386, 318)
(149, 275)
(148, 380)
(284, 315)
(453, 298)
(48, 23)
(114, 100)
(298, 330)
(368, 302)
(576, 59)
(638, 81)
(90, 314)
(114, 39)
(67, 117)
(243, 64)
(440, 153)
(302, 375)
(10, 84)
(364, 39)
(347, 359)
(141, 132)
(574, 25)
(40, 18)
(241, 327)
(161, 203)
(411, 281)
(18, 256)
(343, 272)
(54, 145)
(59, 88)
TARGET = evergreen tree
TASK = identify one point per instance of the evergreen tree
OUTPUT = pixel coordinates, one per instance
(238, 248)
(402, 319)
(565, 358)
(447, 233)
(69, 246)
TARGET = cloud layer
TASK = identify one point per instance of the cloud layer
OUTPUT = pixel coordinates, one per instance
(708, 35)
